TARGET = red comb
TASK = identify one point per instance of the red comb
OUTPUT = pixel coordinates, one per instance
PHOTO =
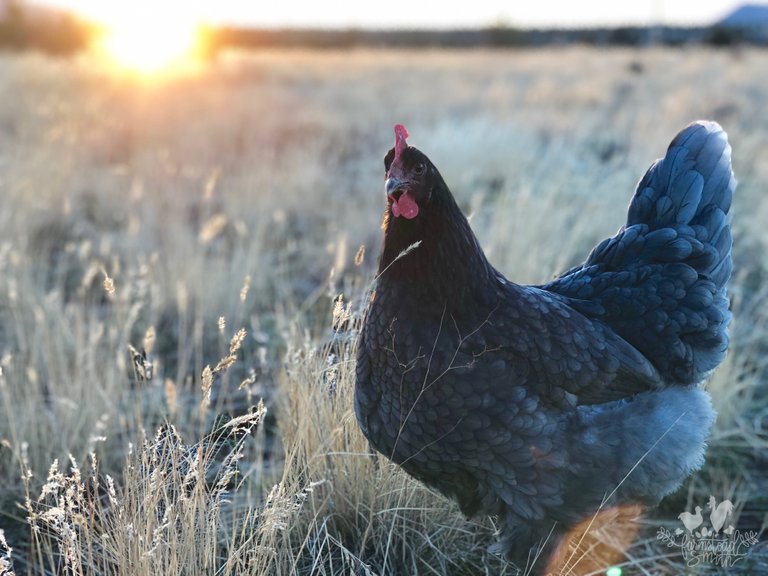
(400, 135)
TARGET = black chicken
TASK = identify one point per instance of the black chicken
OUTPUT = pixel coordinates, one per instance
(539, 404)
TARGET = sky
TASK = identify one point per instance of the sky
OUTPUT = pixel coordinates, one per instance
(425, 13)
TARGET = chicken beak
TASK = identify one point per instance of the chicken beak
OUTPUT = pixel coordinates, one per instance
(392, 185)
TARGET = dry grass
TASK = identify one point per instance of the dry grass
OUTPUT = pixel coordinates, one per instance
(166, 217)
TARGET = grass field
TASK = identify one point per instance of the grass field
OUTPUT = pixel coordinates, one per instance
(170, 215)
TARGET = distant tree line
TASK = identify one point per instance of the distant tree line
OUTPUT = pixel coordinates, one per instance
(496, 36)
(23, 26)
(47, 30)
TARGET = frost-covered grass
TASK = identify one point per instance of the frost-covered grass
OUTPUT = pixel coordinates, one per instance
(166, 216)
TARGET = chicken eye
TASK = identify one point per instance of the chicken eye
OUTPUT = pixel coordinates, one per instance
(420, 169)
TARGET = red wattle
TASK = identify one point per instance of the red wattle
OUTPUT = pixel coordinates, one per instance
(405, 206)
(395, 209)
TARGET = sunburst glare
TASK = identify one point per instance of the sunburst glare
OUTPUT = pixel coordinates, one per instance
(148, 37)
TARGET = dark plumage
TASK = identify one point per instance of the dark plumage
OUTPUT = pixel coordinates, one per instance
(533, 403)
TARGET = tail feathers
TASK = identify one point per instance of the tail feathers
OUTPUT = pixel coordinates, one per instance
(660, 283)
(691, 190)
(694, 175)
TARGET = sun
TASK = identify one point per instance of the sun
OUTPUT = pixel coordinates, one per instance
(148, 37)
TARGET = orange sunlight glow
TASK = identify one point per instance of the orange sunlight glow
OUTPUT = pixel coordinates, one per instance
(146, 36)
